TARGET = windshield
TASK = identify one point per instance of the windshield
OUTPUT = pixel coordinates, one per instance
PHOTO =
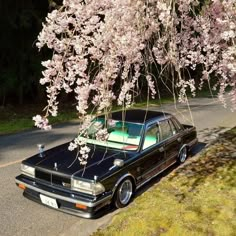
(122, 135)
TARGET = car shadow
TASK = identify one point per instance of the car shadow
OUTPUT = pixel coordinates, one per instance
(111, 209)
(210, 134)
(195, 150)
(198, 170)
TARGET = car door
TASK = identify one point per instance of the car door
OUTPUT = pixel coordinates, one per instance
(152, 153)
(172, 141)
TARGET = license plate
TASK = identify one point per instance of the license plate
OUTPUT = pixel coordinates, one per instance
(48, 201)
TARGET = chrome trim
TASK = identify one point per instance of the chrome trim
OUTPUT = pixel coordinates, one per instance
(125, 191)
(157, 166)
(140, 185)
(83, 214)
(112, 167)
(185, 145)
(77, 213)
(151, 170)
(120, 180)
(171, 157)
(68, 199)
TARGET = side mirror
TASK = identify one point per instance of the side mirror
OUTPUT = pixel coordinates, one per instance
(118, 162)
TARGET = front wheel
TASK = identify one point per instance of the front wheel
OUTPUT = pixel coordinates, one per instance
(183, 154)
(123, 193)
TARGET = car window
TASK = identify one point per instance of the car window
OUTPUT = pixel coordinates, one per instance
(173, 128)
(165, 130)
(176, 123)
(121, 135)
(151, 136)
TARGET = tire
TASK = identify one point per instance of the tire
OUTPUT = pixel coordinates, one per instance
(123, 193)
(183, 155)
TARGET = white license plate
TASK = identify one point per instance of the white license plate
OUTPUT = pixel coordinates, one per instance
(48, 201)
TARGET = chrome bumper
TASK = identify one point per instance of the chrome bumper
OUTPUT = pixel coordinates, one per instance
(33, 191)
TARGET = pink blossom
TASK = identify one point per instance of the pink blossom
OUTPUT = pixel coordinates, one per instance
(98, 44)
(41, 122)
(102, 135)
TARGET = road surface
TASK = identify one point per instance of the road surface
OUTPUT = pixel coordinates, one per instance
(19, 216)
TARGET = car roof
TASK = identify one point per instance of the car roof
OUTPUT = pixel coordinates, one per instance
(139, 115)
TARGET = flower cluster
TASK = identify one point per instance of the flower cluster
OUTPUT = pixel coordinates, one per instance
(102, 135)
(151, 86)
(83, 157)
(98, 44)
(77, 142)
(83, 150)
(41, 122)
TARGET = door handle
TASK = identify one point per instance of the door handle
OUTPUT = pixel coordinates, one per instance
(161, 149)
(179, 139)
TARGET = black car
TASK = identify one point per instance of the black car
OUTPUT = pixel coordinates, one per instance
(141, 144)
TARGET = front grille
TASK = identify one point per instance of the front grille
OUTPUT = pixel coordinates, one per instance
(52, 178)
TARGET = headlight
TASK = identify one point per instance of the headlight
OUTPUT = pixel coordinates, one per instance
(87, 187)
(28, 170)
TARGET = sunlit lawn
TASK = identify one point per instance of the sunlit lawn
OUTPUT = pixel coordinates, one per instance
(198, 198)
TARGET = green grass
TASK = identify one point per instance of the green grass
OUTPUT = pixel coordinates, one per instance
(206, 93)
(16, 119)
(198, 198)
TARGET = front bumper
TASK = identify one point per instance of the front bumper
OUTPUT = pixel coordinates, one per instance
(67, 201)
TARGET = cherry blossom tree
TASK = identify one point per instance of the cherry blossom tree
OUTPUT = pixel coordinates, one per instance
(98, 44)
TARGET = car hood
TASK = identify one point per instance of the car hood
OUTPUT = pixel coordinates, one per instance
(61, 160)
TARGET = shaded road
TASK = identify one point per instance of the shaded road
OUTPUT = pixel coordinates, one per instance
(19, 216)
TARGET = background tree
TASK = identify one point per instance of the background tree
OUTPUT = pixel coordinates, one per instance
(20, 22)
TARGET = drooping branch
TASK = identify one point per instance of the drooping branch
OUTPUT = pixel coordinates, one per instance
(119, 40)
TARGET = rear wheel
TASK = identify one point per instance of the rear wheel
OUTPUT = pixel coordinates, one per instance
(123, 193)
(183, 154)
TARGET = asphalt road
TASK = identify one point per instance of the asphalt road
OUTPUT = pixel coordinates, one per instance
(19, 216)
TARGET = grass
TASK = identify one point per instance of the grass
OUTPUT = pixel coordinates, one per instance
(198, 198)
(16, 119)
(206, 93)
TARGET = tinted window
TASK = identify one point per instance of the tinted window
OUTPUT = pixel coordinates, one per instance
(121, 135)
(173, 128)
(176, 124)
(165, 130)
(151, 137)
